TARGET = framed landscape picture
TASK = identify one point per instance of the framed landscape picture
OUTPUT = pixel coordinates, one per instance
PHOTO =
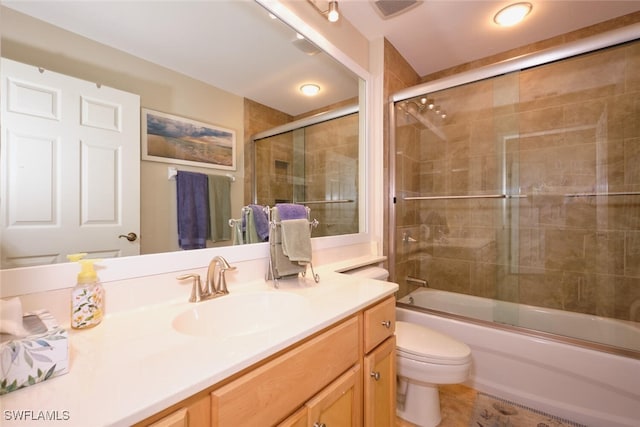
(178, 140)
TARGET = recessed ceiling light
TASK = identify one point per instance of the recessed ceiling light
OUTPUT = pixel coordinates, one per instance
(512, 14)
(310, 89)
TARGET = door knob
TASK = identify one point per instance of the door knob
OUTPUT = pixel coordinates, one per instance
(130, 237)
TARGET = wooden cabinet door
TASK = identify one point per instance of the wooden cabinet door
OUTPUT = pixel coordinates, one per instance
(380, 385)
(339, 404)
(195, 414)
(298, 419)
(274, 390)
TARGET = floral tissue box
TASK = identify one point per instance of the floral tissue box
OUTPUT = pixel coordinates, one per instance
(41, 355)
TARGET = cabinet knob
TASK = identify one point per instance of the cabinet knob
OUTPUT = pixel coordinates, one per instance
(386, 323)
(375, 375)
(317, 424)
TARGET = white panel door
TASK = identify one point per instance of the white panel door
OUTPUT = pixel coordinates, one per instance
(70, 174)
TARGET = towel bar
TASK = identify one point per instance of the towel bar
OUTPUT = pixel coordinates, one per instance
(173, 172)
(275, 250)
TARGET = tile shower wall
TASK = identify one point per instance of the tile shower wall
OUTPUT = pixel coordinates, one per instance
(566, 128)
(315, 164)
(331, 173)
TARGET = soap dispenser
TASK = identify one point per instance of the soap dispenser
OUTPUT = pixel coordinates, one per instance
(87, 297)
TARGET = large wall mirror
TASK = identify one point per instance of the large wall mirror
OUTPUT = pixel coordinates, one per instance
(226, 63)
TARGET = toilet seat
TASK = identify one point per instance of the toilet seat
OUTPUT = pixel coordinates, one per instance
(422, 344)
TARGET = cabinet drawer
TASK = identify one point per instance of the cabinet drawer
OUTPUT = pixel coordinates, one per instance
(268, 394)
(379, 323)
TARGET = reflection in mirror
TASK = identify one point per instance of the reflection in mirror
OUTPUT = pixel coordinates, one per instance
(315, 164)
(188, 76)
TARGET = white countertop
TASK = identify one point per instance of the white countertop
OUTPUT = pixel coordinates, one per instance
(135, 363)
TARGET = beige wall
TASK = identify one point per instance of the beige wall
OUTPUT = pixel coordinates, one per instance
(31, 41)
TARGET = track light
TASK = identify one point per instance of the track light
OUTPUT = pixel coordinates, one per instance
(332, 14)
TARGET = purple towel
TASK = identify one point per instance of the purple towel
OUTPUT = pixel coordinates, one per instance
(291, 211)
(193, 209)
(261, 221)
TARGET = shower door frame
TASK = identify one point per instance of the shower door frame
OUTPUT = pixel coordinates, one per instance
(586, 45)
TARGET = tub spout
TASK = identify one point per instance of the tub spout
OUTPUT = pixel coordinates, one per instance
(420, 282)
(406, 237)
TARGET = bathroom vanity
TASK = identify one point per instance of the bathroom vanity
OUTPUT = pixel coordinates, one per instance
(343, 375)
(332, 360)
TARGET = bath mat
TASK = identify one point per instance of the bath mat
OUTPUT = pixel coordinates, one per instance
(491, 411)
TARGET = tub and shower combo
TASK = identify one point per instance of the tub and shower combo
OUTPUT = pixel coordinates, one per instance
(515, 215)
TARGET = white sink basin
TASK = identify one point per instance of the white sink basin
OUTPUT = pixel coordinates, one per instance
(240, 314)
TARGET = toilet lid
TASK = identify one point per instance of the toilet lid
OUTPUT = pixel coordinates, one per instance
(420, 343)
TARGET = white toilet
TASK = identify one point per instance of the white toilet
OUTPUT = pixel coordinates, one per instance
(425, 359)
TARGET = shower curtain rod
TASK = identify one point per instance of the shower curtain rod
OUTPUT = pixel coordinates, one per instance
(521, 196)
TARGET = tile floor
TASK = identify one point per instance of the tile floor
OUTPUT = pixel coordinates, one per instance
(456, 406)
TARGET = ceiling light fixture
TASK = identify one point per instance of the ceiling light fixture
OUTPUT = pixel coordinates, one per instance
(512, 14)
(310, 89)
(332, 14)
(327, 8)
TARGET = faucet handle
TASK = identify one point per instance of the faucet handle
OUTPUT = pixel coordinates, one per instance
(196, 290)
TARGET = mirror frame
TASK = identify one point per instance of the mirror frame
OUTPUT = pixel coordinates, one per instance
(28, 280)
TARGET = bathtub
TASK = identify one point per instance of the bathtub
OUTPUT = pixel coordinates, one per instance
(540, 370)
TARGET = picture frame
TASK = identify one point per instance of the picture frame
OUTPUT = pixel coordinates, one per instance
(178, 140)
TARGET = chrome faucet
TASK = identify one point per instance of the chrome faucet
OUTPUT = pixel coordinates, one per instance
(212, 288)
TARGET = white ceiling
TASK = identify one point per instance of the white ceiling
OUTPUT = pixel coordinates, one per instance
(438, 34)
(231, 44)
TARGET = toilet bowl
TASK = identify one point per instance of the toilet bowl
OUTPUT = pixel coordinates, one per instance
(425, 359)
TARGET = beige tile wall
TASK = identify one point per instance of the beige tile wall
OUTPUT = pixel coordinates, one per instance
(327, 157)
(568, 127)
